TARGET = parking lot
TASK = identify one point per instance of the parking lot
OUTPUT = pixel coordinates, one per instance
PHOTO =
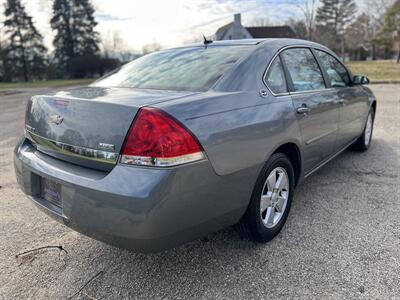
(342, 238)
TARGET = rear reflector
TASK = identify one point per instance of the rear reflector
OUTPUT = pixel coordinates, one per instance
(157, 139)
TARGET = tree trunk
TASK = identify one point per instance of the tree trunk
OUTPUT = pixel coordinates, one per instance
(25, 69)
(373, 52)
(26, 78)
(398, 56)
(342, 48)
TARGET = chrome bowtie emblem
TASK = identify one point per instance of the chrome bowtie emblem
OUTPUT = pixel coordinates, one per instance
(56, 119)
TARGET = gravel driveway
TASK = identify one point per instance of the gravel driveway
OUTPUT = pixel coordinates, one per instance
(342, 238)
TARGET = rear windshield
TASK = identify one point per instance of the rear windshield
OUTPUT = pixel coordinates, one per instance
(182, 69)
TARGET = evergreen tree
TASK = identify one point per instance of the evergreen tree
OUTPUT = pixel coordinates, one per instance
(332, 19)
(63, 42)
(74, 23)
(1, 48)
(24, 54)
(86, 38)
(1, 57)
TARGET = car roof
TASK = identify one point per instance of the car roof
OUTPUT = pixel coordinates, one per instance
(228, 43)
(256, 42)
(237, 42)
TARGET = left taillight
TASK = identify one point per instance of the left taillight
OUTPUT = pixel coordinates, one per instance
(157, 139)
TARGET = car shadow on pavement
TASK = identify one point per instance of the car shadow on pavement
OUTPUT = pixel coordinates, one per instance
(338, 194)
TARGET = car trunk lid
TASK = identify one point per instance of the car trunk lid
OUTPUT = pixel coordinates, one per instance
(88, 126)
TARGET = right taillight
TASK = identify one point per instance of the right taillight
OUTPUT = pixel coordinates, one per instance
(157, 139)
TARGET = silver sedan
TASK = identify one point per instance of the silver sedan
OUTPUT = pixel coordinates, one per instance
(186, 141)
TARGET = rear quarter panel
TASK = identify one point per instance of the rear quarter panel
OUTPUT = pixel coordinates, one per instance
(238, 130)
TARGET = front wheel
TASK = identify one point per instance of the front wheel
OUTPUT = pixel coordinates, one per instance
(271, 199)
(364, 141)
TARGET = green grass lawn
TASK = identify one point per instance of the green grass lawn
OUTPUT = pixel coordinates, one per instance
(377, 70)
(45, 84)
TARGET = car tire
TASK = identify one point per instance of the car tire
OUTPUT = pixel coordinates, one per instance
(363, 143)
(262, 223)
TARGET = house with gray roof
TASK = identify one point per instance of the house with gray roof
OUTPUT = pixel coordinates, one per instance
(235, 30)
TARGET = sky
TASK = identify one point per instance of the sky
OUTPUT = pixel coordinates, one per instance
(166, 22)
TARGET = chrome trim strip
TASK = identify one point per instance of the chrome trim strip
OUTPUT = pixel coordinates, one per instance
(265, 75)
(162, 161)
(311, 91)
(47, 145)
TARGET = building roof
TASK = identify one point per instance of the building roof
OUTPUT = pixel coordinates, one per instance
(263, 31)
(224, 28)
(272, 32)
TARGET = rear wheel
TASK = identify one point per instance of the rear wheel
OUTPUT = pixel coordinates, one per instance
(364, 141)
(271, 199)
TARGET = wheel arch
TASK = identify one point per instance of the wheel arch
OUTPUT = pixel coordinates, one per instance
(373, 106)
(292, 151)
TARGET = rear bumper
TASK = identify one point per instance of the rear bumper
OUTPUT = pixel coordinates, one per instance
(142, 209)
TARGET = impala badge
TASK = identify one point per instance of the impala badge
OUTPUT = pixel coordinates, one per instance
(106, 146)
(56, 119)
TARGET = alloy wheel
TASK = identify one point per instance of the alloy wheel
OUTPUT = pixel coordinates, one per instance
(368, 130)
(274, 197)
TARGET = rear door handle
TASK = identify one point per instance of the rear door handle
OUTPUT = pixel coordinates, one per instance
(304, 109)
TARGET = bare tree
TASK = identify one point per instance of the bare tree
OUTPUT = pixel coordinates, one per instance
(356, 37)
(2, 43)
(151, 47)
(375, 10)
(128, 55)
(332, 19)
(308, 8)
(112, 43)
(299, 27)
(392, 26)
(113, 46)
(260, 22)
(196, 39)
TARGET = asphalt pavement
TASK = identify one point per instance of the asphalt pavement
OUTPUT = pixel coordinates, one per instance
(341, 241)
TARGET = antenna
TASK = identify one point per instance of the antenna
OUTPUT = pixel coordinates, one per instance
(206, 42)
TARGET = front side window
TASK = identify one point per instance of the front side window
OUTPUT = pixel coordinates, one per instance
(337, 73)
(303, 69)
(181, 69)
(275, 78)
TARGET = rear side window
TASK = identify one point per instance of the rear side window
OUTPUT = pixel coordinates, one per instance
(303, 69)
(337, 73)
(275, 78)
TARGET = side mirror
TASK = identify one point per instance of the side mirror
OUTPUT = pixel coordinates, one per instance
(360, 79)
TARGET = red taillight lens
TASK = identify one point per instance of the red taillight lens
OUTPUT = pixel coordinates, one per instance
(157, 139)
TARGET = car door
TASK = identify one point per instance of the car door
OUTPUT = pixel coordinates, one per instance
(317, 107)
(353, 109)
